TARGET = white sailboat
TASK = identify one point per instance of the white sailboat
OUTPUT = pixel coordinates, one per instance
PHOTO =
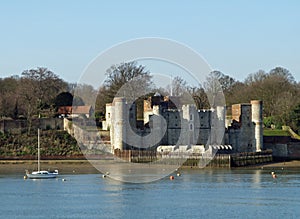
(41, 174)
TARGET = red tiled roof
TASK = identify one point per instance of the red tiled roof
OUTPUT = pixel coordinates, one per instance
(74, 110)
(81, 109)
(65, 110)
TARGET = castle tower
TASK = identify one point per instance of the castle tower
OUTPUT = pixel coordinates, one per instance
(112, 127)
(256, 108)
(220, 123)
(189, 117)
(132, 114)
(221, 113)
(119, 122)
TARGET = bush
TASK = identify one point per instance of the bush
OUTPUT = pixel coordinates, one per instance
(268, 122)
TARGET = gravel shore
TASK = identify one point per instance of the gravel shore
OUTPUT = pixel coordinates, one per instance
(84, 166)
(64, 166)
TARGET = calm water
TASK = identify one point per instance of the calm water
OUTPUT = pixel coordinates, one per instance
(195, 194)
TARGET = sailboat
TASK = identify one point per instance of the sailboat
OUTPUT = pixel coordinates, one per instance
(41, 174)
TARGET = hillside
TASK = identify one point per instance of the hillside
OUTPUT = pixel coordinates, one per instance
(54, 143)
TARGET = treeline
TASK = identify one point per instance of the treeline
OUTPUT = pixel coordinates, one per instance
(277, 89)
(38, 92)
(31, 95)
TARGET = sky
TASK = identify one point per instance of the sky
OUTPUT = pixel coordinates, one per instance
(234, 37)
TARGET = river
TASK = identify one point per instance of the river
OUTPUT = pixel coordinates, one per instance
(205, 193)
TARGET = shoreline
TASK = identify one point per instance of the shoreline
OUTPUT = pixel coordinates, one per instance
(63, 166)
(84, 166)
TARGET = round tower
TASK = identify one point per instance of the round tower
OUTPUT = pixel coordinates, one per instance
(119, 126)
(220, 123)
(112, 127)
(256, 108)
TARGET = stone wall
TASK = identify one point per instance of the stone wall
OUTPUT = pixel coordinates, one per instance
(19, 126)
(187, 126)
(241, 134)
(283, 147)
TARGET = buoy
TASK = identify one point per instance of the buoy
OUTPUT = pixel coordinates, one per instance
(171, 177)
(178, 174)
(64, 180)
(273, 175)
(103, 176)
(25, 177)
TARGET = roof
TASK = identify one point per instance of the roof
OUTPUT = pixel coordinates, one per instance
(65, 110)
(74, 109)
(81, 109)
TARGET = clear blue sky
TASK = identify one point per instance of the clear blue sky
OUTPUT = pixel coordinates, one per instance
(235, 37)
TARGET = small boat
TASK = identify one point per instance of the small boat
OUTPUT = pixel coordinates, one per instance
(41, 174)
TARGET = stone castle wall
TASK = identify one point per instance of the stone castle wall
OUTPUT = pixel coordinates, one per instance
(189, 126)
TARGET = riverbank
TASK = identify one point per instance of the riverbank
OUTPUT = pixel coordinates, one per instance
(64, 166)
(84, 166)
(287, 164)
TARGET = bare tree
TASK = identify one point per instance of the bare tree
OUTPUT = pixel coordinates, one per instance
(9, 97)
(214, 90)
(119, 75)
(125, 79)
(38, 90)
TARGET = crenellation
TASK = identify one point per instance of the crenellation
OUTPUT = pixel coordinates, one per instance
(187, 125)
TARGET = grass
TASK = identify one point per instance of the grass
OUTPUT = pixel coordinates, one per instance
(276, 132)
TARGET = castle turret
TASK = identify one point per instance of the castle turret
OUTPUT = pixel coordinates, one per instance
(119, 122)
(220, 124)
(256, 108)
(221, 113)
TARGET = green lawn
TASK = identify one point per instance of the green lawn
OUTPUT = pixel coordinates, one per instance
(275, 132)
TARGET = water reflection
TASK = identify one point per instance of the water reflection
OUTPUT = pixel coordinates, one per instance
(257, 174)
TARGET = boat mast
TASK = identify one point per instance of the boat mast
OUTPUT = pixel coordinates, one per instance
(38, 149)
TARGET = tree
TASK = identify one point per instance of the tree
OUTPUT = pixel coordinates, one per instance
(178, 86)
(225, 81)
(282, 73)
(199, 96)
(275, 86)
(45, 85)
(214, 90)
(63, 99)
(285, 103)
(9, 97)
(295, 119)
(102, 100)
(259, 76)
(125, 79)
(38, 89)
(84, 95)
(136, 77)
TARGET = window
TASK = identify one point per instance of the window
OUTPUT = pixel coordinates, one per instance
(191, 117)
(191, 127)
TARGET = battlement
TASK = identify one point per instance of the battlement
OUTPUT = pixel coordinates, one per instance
(184, 125)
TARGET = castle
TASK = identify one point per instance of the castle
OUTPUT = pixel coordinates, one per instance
(167, 127)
